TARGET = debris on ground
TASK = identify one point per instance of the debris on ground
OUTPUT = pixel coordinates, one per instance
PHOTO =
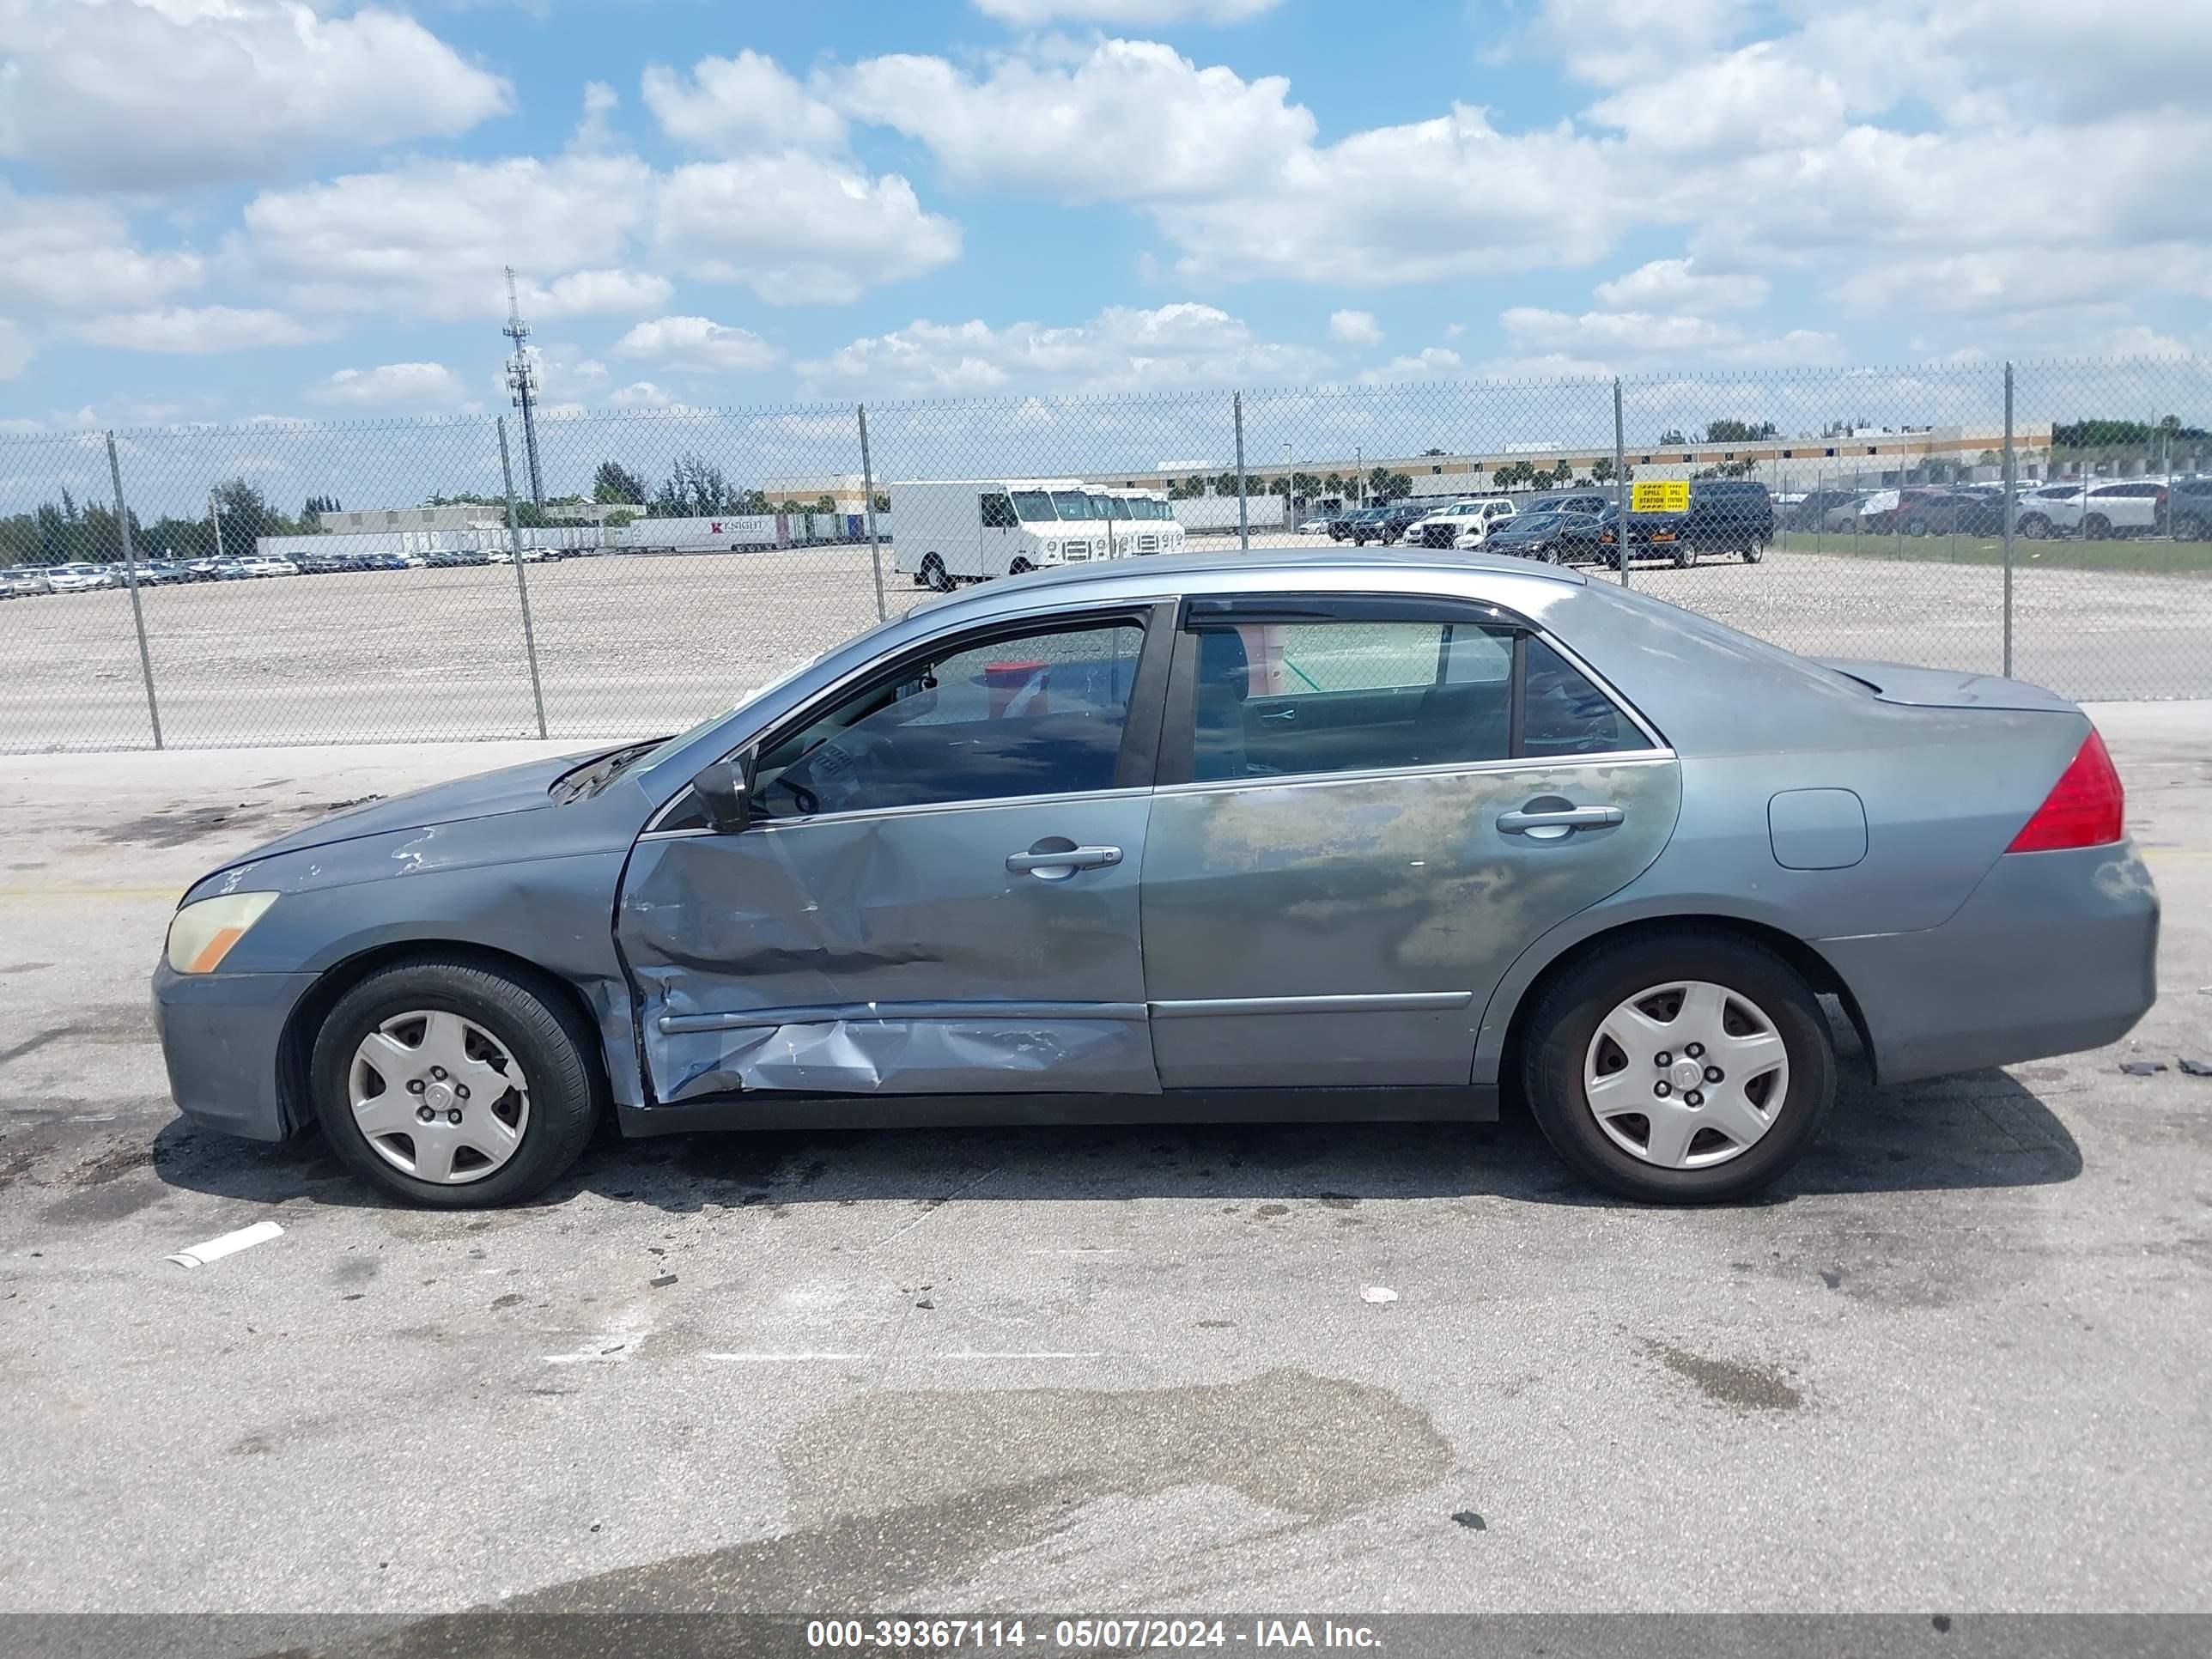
(663, 1282)
(2142, 1067)
(198, 1256)
(1471, 1521)
(1378, 1293)
(2196, 1068)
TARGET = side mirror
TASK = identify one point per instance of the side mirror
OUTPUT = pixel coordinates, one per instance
(722, 787)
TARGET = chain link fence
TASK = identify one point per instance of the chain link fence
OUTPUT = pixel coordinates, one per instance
(608, 576)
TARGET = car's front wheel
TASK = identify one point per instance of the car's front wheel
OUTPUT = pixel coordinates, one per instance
(1681, 1067)
(453, 1084)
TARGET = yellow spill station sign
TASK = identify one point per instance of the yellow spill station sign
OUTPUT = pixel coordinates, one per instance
(1672, 496)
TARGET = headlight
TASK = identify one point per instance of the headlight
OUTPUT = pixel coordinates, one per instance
(201, 935)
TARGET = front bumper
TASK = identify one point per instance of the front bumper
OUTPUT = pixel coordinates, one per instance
(2053, 953)
(220, 1035)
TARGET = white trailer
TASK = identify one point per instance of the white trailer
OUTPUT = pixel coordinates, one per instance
(957, 529)
(1218, 513)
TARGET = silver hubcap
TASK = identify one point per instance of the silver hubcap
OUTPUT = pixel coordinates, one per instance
(438, 1097)
(1685, 1075)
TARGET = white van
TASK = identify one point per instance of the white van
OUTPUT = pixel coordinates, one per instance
(1145, 517)
(945, 532)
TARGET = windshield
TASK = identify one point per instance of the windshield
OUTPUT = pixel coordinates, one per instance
(1072, 504)
(1109, 507)
(1034, 506)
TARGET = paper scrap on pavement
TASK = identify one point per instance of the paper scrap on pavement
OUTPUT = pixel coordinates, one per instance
(229, 1244)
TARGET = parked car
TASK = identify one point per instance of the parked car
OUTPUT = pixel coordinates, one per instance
(261, 565)
(202, 570)
(1580, 501)
(1339, 523)
(78, 577)
(1729, 515)
(2095, 511)
(1811, 510)
(158, 573)
(1554, 536)
(1004, 846)
(22, 581)
(1380, 525)
(1466, 524)
(2189, 510)
(1317, 527)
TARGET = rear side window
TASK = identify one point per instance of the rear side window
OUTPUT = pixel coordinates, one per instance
(1565, 714)
(1038, 714)
(1303, 698)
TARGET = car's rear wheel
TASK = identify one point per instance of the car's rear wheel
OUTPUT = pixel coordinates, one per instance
(1685, 554)
(1753, 552)
(935, 576)
(1019, 567)
(1681, 1067)
(454, 1085)
(2097, 527)
(2189, 528)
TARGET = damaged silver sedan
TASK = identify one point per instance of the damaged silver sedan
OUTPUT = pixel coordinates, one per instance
(1263, 838)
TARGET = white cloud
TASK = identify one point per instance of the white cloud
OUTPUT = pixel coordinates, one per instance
(196, 330)
(430, 239)
(697, 343)
(68, 254)
(1120, 348)
(1125, 13)
(1671, 285)
(140, 95)
(1123, 119)
(596, 130)
(735, 105)
(798, 230)
(1618, 41)
(1430, 364)
(1354, 327)
(1547, 343)
(16, 350)
(641, 394)
(392, 386)
(583, 293)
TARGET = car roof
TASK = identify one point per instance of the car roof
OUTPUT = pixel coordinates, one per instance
(1295, 571)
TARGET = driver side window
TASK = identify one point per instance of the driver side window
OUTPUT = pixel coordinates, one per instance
(1034, 714)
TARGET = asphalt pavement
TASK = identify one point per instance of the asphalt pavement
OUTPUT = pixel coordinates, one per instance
(1956, 1362)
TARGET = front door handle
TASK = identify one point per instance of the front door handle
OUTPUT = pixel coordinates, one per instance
(1290, 714)
(1541, 821)
(1057, 859)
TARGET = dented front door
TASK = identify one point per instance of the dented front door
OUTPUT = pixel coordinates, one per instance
(968, 949)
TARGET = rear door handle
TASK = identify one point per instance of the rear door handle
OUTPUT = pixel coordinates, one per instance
(1054, 865)
(1551, 823)
(1290, 714)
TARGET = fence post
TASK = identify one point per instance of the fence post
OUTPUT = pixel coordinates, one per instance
(868, 488)
(522, 581)
(130, 576)
(1243, 522)
(1620, 483)
(2011, 508)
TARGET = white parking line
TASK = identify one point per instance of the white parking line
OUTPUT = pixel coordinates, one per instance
(974, 1353)
(787, 1358)
(229, 1244)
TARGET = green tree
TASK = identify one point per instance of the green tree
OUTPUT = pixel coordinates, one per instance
(1601, 470)
(246, 517)
(1398, 486)
(1514, 475)
(1672, 438)
(1734, 432)
(616, 484)
(694, 489)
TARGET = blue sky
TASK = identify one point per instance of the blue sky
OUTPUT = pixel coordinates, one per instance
(219, 209)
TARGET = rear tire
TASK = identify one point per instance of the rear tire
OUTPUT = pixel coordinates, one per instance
(2096, 528)
(1020, 568)
(934, 575)
(523, 1014)
(1760, 997)
(1753, 552)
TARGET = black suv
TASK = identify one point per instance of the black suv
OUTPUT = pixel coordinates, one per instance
(1727, 515)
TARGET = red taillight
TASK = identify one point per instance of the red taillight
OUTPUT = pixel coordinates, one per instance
(2083, 809)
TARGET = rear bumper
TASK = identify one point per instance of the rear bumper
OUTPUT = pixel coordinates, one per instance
(220, 1037)
(2053, 953)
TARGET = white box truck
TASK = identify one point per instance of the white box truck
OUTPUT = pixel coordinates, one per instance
(969, 530)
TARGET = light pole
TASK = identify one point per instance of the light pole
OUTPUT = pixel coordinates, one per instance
(1290, 492)
(215, 512)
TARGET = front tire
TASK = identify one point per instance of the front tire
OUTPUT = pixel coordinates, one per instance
(454, 1085)
(1592, 1072)
(1753, 552)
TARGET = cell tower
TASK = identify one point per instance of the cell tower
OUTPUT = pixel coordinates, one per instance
(522, 381)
